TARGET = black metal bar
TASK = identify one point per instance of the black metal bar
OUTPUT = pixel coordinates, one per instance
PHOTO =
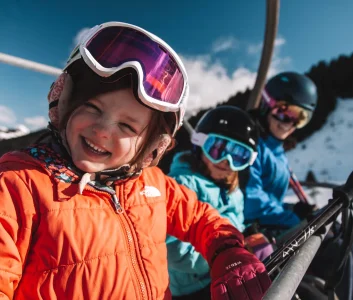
(293, 269)
(286, 251)
(286, 283)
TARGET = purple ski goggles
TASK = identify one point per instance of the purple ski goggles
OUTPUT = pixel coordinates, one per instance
(113, 46)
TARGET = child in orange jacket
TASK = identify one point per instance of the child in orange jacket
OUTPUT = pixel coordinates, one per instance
(84, 214)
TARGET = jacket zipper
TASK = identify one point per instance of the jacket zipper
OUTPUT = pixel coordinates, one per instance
(132, 250)
(117, 205)
(128, 236)
(113, 197)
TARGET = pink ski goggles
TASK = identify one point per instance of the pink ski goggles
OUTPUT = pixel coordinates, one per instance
(114, 46)
(287, 113)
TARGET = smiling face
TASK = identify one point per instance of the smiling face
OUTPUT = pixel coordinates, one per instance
(107, 131)
(278, 129)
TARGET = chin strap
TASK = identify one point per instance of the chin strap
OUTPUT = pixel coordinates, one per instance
(107, 177)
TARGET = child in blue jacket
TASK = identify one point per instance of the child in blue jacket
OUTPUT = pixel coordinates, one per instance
(225, 141)
(288, 102)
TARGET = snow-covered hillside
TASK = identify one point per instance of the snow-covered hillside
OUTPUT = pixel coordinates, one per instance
(328, 152)
(10, 133)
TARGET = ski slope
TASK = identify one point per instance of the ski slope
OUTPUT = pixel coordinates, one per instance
(328, 153)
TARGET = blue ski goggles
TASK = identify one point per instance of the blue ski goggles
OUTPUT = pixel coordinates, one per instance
(217, 148)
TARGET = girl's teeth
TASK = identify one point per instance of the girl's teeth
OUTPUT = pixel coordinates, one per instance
(95, 147)
(284, 127)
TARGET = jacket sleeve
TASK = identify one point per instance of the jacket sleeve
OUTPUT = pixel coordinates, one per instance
(199, 223)
(182, 256)
(17, 215)
(258, 204)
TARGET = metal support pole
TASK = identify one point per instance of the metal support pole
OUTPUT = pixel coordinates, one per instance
(272, 16)
(28, 64)
(286, 283)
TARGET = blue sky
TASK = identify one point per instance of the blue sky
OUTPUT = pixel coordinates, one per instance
(220, 42)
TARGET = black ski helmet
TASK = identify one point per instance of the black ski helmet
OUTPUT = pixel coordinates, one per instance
(294, 88)
(231, 122)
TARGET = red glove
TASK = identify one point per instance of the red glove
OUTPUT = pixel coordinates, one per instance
(238, 274)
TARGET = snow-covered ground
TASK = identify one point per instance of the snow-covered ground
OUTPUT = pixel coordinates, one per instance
(328, 153)
(317, 196)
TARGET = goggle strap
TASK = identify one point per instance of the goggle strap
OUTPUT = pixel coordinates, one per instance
(253, 158)
(252, 142)
(53, 104)
(72, 59)
(268, 99)
(198, 138)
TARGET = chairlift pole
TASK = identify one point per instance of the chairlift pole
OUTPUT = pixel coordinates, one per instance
(272, 16)
(305, 245)
(28, 64)
(289, 248)
(284, 287)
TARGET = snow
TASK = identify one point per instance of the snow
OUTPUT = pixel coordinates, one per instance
(9, 133)
(318, 196)
(327, 153)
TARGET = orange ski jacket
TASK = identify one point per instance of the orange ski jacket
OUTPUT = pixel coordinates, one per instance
(58, 244)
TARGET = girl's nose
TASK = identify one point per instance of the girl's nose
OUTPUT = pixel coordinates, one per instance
(102, 129)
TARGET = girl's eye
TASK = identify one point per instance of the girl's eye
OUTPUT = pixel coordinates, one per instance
(92, 107)
(128, 127)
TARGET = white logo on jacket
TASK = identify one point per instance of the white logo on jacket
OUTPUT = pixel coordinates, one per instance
(150, 191)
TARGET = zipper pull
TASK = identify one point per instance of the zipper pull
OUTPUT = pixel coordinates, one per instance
(118, 208)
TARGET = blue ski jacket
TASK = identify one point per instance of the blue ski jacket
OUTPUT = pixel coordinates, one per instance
(267, 185)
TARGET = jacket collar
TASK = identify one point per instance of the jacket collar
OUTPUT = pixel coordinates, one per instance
(66, 176)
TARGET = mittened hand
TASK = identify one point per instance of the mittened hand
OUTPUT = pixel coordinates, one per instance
(304, 210)
(238, 274)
